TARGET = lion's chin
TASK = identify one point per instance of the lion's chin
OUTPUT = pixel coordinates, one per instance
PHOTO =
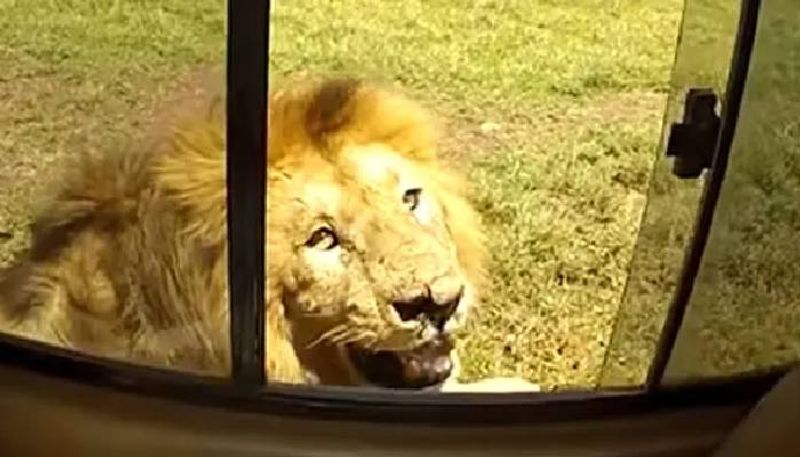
(425, 366)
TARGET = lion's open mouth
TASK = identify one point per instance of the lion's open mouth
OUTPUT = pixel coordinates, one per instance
(425, 366)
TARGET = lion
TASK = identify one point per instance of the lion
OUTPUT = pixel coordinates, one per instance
(374, 255)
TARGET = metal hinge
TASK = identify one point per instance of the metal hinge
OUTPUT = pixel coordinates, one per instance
(693, 141)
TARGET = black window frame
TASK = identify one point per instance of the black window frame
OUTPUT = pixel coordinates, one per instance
(245, 139)
(245, 390)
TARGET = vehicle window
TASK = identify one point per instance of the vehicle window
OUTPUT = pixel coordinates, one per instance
(549, 110)
(552, 110)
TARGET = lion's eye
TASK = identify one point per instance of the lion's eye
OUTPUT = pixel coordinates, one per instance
(323, 238)
(411, 198)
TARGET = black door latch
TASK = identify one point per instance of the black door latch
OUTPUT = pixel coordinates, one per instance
(693, 141)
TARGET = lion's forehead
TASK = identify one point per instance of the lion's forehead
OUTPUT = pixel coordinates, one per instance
(359, 178)
(376, 165)
(322, 195)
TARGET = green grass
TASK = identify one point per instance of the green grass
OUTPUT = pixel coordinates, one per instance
(556, 106)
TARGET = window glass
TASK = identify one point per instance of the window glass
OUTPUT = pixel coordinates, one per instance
(552, 110)
(100, 255)
(744, 312)
(702, 60)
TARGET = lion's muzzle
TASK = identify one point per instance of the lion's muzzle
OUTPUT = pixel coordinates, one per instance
(426, 365)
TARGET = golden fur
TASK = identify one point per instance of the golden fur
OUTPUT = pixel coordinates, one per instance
(129, 258)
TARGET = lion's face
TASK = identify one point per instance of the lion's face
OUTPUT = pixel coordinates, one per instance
(372, 268)
(373, 253)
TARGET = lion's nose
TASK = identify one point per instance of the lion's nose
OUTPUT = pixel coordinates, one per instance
(425, 307)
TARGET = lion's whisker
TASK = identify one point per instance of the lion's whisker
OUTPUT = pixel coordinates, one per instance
(328, 335)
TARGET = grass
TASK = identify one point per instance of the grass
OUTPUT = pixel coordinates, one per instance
(555, 106)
